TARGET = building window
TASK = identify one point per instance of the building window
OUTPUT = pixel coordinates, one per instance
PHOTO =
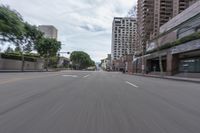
(190, 65)
(198, 29)
(185, 31)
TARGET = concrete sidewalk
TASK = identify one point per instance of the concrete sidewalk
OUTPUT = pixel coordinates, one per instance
(49, 70)
(19, 71)
(187, 79)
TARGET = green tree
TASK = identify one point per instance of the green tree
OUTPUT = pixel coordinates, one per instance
(14, 29)
(25, 43)
(81, 60)
(11, 24)
(47, 48)
(31, 36)
(9, 50)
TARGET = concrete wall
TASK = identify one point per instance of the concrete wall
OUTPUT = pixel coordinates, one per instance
(1, 63)
(172, 64)
(7, 64)
(168, 38)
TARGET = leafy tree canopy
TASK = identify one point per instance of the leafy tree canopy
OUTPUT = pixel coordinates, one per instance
(81, 60)
(11, 24)
(9, 50)
(47, 47)
(26, 37)
(30, 37)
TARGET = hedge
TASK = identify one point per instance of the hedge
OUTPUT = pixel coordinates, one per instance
(18, 57)
(25, 54)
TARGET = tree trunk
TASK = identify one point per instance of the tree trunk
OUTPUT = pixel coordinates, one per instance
(23, 62)
(46, 63)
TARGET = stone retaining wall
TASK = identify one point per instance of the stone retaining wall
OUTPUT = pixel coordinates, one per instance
(9, 64)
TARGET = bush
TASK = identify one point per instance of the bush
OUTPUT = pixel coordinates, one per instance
(53, 61)
(14, 56)
(32, 55)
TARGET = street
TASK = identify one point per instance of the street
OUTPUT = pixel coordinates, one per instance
(96, 102)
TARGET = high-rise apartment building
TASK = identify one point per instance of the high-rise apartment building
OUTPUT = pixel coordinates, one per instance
(152, 14)
(180, 5)
(49, 31)
(145, 15)
(164, 10)
(123, 36)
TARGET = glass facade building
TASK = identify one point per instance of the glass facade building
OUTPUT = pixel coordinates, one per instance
(190, 65)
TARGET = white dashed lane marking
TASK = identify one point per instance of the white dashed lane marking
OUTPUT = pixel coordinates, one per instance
(74, 76)
(86, 76)
(132, 84)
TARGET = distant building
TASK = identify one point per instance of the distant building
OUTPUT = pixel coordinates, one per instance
(124, 64)
(103, 64)
(123, 37)
(109, 62)
(106, 63)
(63, 62)
(49, 31)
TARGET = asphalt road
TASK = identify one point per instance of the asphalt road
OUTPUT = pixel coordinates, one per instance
(96, 102)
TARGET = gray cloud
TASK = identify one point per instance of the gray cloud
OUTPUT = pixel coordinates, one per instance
(82, 24)
(92, 28)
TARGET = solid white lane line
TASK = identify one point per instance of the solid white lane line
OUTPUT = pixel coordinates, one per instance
(86, 76)
(74, 76)
(132, 84)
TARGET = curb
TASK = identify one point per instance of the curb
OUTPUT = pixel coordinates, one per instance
(26, 71)
(171, 78)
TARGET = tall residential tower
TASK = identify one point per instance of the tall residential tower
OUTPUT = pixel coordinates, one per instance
(152, 14)
(123, 37)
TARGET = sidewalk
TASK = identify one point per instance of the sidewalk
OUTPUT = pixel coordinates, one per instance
(195, 80)
(17, 71)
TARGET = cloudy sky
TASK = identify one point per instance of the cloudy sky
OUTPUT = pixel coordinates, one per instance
(82, 24)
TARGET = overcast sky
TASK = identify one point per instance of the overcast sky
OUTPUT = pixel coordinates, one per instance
(82, 24)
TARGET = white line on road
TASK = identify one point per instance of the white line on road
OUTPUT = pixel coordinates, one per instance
(132, 84)
(74, 76)
(86, 76)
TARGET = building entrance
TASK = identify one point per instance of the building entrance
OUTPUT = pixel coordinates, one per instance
(153, 65)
